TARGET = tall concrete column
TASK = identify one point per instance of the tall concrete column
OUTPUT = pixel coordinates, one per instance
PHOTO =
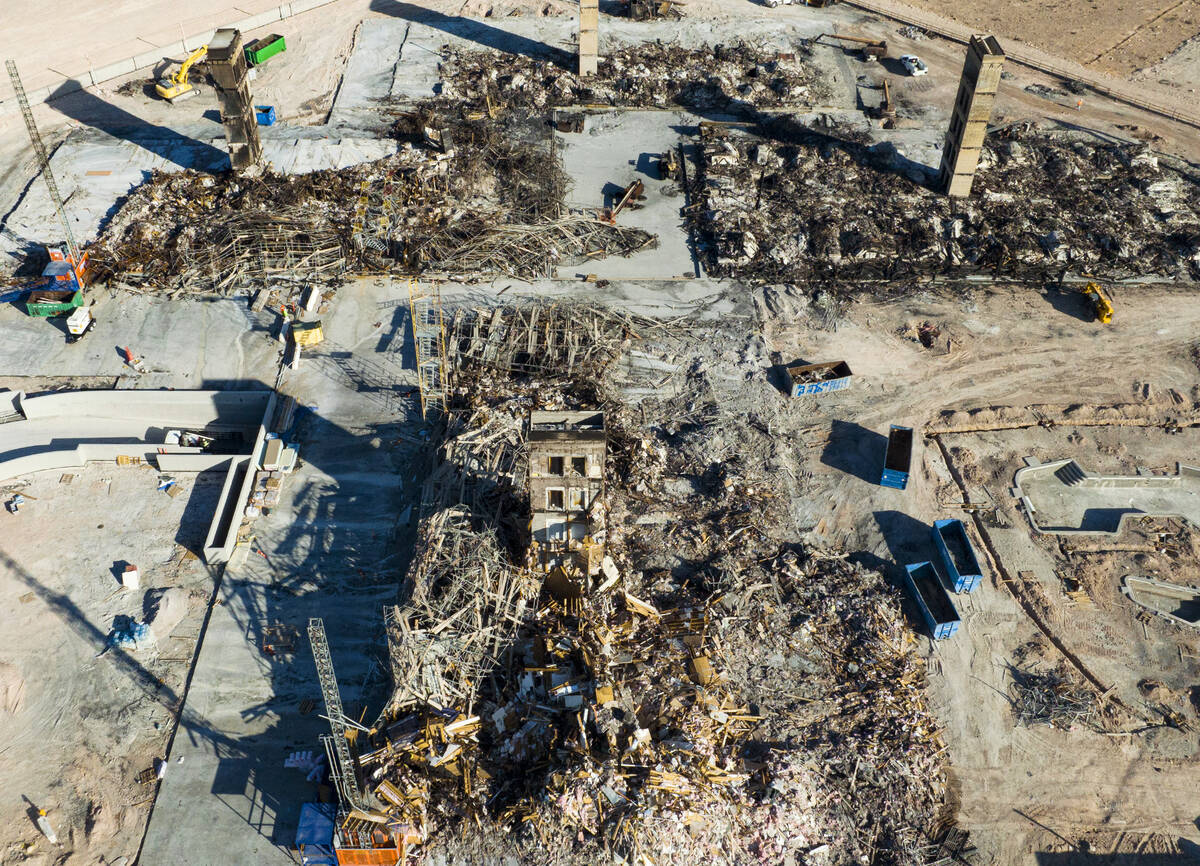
(589, 37)
(227, 62)
(972, 112)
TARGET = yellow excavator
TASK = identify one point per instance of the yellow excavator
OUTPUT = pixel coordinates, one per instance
(175, 87)
(1101, 302)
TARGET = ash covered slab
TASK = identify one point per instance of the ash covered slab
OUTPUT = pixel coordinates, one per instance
(641, 63)
(614, 150)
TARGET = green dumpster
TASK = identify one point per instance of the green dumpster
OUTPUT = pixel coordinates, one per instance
(262, 50)
(45, 303)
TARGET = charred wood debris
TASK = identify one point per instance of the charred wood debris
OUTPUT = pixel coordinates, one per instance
(749, 700)
(493, 205)
(796, 203)
(738, 76)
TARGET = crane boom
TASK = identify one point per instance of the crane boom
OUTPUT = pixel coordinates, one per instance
(39, 148)
(333, 709)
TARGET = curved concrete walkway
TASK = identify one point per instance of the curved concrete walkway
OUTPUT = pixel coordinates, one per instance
(67, 430)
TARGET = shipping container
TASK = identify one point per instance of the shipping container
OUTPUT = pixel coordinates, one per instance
(808, 379)
(898, 459)
(958, 556)
(936, 607)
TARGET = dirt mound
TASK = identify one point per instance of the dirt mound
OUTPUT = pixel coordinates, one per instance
(170, 609)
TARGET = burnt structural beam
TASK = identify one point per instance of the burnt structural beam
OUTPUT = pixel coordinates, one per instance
(589, 37)
(227, 63)
(971, 114)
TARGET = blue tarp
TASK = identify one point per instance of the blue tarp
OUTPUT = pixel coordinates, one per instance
(136, 635)
(314, 835)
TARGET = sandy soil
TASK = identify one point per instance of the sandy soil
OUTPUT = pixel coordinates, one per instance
(1011, 348)
(1114, 36)
(90, 720)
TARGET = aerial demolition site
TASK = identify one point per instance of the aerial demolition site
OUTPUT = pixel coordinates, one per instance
(652, 434)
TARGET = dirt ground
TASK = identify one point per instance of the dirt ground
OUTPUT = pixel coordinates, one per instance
(1116, 793)
(1024, 792)
(89, 719)
(1117, 36)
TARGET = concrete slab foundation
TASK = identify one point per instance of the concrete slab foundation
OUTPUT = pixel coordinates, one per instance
(1062, 498)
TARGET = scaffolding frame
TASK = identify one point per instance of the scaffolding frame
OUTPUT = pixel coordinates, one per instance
(429, 343)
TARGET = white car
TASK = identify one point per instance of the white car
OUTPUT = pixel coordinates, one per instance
(774, 3)
(914, 64)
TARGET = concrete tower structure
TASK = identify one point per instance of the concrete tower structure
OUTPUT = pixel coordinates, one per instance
(589, 37)
(972, 112)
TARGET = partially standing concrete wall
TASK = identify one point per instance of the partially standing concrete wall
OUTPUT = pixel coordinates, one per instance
(231, 507)
(192, 410)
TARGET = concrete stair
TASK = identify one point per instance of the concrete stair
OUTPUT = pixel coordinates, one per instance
(1070, 474)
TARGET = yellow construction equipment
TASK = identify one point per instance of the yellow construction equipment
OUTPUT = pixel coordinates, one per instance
(307, 333)
(1101, 302)
(176, 87)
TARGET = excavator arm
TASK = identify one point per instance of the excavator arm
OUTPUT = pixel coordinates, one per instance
(172, 87)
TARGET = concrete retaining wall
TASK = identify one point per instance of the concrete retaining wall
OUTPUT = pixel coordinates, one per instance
(213, 410)
(222, 532)
(74, 458)
(231, 508)
(192, 462)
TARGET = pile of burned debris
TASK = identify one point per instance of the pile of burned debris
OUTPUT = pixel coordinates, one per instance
(491, 205)
(648, 75)
(764, 700)
(794, 204)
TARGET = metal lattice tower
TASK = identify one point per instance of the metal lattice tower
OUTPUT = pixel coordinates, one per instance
(351, 793)
(429, 340)
(39, 148)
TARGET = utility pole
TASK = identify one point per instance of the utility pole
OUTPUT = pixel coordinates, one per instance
(44, 160)
(344, 772)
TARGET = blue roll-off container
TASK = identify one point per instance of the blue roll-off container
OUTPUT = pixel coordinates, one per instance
(936, 607)
(958, 556)
(898, 459)
(265, 115)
